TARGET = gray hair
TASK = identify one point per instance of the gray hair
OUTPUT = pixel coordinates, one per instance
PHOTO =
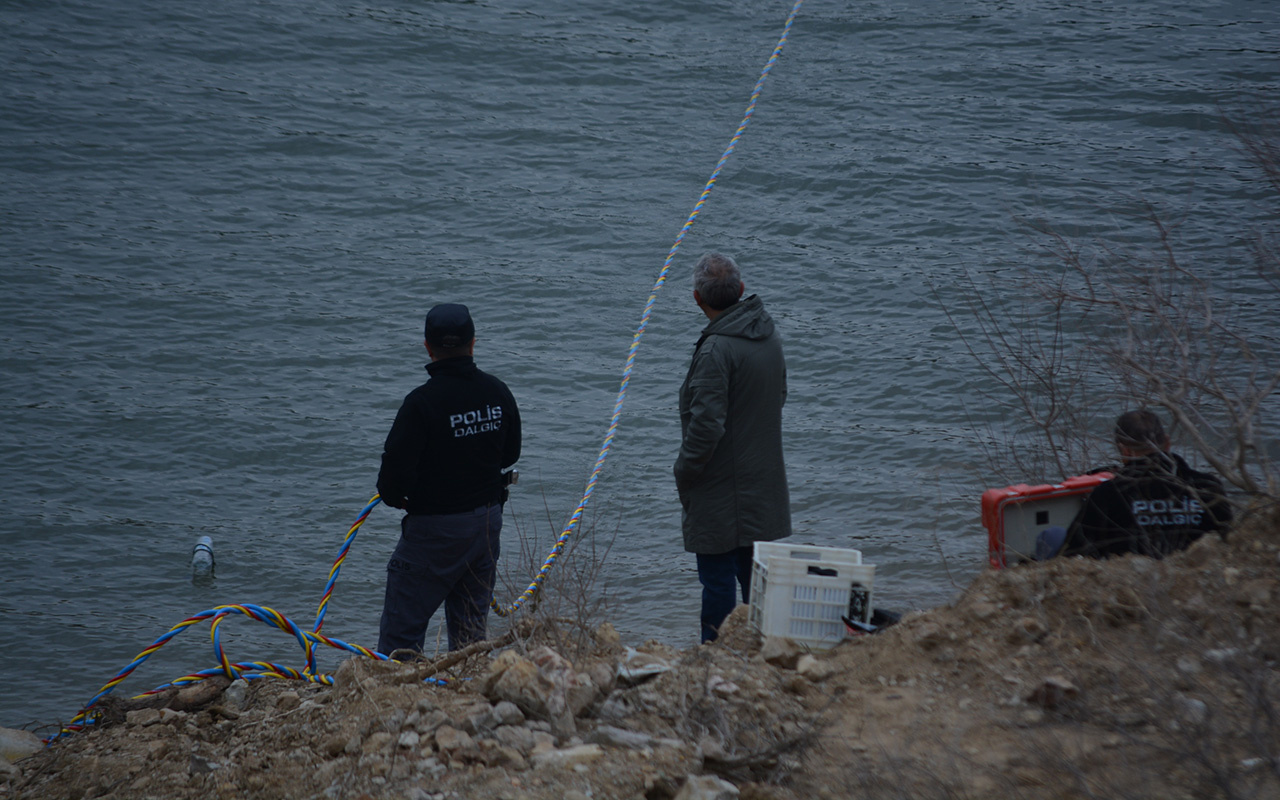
(717, 280)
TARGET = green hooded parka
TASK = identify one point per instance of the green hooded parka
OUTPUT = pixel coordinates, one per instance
(730, 472)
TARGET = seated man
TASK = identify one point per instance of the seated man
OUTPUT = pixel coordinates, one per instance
(1155, 504)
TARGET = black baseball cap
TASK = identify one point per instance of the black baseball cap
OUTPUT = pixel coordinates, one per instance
(450, 325)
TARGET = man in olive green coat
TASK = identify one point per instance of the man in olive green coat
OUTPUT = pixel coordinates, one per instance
(730, 473)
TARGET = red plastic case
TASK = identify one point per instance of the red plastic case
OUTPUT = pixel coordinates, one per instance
(1015, 515)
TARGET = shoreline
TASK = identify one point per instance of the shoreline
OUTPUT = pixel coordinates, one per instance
(1126, 677)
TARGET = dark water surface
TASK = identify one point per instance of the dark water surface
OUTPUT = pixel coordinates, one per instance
(222, 223)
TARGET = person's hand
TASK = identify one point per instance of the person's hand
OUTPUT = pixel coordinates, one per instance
(396, 502)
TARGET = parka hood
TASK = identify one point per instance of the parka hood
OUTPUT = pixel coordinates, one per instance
(746, 319)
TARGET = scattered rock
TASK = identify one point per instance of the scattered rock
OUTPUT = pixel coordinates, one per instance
(287, 701)
(235, 694)
(507, 713)
(718, 685)
(1255, 594)
(781, 652)
(16, 744)
(581, 754)
(707, 787)
(520, 739)
(617, 737)
(428, 723)
(1053, 692)
(199, 765)
(1190, 710)
(1028, 630)
(929, 635)
(334, 745)
(607, 636)
(450, 739)
(604, 675)
(813, 669)
(376, 742)
(637, 667)
(143, 717)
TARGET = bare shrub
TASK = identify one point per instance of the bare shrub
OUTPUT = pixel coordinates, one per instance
(572, 601)
(1096, 327)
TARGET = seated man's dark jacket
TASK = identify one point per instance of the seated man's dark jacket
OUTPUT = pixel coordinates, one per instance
(450, 441)
(1155, 505)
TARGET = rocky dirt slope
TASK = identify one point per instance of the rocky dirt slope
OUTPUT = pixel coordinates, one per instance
(1125, 678)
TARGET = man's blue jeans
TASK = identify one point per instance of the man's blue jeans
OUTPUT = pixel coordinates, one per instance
(441, 558)
(718, 573)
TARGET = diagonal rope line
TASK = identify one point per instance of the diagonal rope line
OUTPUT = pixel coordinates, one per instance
(576, 517)
(308, 639)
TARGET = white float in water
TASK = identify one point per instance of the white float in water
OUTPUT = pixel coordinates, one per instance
(202, 558)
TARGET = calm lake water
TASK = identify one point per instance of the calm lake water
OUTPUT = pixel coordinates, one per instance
(222, 224)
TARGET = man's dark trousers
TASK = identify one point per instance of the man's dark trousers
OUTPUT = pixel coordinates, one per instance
(441, 558)
(718, 574)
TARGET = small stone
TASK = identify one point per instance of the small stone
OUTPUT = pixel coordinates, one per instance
(983, 611)
(199, 765)
(711, 749)
(334, 746)
(618, 737)
(930, 635)
(607, 636)
(408, 740)
(1052, 692)
(507, 713)
(780, 652)
(604, 675)
(1191, 710)
(16, 744)
(234, 695)
(582, 754)
(510, 758)
(479, 719)
(143, 717)
(543, 742)
(1031, 716)
(707, 787)
(429, 722)
(1189, 665)
(515, 737)
(449, 739)
(1028, 630)
(287, 701)
(376, 742)
(424, 705)
(1255, 594)
(813, 669)
(1221, 656)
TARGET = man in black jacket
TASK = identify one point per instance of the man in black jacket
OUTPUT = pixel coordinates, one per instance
(1155, 505)
(443, 463)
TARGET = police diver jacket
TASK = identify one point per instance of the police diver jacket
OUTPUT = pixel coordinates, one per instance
(1155, 505)
(730, 472)
(450, 441)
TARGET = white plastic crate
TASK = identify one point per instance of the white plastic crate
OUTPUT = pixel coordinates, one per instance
(800, 592)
